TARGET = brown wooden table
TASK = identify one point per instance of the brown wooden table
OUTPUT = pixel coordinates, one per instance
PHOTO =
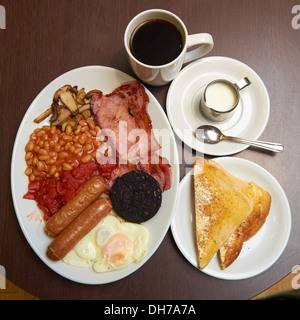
(44, 39)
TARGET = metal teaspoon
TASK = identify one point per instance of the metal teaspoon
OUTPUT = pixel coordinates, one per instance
(211, 134)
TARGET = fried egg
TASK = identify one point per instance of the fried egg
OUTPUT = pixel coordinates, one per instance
(112, 245)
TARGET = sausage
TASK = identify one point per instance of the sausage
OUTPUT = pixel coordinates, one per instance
(77, 229)
(90, 191)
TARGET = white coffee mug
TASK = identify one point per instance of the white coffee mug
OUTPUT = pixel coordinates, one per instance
(163, 74)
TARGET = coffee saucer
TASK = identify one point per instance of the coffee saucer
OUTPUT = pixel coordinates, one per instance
(250, 117)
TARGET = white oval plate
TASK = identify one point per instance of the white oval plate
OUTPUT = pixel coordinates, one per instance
(250, 117)
(261, 251)
(105, 79)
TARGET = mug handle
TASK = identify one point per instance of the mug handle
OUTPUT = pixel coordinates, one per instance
(204, 43)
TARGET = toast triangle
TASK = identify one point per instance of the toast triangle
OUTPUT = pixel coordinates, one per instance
(220, 207)
(232, 247)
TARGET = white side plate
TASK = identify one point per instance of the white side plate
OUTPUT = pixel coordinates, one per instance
(250, 117)
(261, 251)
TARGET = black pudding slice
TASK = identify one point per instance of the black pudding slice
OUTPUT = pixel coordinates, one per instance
(136, 196)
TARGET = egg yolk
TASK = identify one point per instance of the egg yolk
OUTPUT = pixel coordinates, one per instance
(118, 250)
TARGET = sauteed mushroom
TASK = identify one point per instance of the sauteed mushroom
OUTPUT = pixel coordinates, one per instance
(44, 115)
(91, 93)
(80, 96)
(60, 115)
(65, 95)
(69, 106)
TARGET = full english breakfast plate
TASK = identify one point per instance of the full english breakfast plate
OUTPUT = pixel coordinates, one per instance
(258, 253)
(30, 215)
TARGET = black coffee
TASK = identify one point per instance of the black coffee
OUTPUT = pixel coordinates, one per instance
(156, 42)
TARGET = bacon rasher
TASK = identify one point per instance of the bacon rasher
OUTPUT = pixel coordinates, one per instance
(124, 120)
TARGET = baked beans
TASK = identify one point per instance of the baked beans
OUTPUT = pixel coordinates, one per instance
(50, 152)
